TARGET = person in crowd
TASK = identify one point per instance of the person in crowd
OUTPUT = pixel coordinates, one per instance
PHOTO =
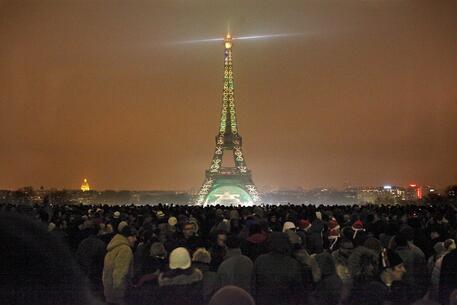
(37, 267)
(218, 250)
(231, 295)
(181, 283)
(90, 256)
(447, 246)
(448, 276)
(145, 285)
(277, 275)
(273, 223)
(328, 288)
(359, 233)
(190, 240)
(156, 261)
(236, 269)
(201, 259)
(256, 243)
(373, 286)
(315, 239)
(118, 264)
(304, 229)
(416, 268)
(333, 234)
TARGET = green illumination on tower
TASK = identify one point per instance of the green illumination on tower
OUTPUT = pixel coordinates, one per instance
(228, 185)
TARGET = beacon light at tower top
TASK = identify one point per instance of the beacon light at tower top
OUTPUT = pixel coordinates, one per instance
(228, 38)
(228, 41)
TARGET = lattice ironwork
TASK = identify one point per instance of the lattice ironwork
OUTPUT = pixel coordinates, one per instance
(228, 139)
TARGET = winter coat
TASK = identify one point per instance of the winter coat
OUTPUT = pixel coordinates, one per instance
(254, 245)
(180, 287)
(328, 291)
(448, 276)
(90, 256)
(143, 291)
(278, 278)
(415, 277)
(368, 293)
(341, 258)
(314, 242)
(118, 269)
(217, 256)
(236, 270)
(209, 280)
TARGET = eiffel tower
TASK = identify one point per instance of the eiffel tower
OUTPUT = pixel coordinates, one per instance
(228, 185)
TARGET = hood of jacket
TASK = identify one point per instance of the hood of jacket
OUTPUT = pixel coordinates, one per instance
(317, 226)
(118, 240)
(257, 238)
(181, 278)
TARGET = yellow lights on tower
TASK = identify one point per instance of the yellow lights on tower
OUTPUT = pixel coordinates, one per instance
(85, 186)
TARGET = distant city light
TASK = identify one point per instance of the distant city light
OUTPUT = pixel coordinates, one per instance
(85, 185)
(412, 185)
(387, 187)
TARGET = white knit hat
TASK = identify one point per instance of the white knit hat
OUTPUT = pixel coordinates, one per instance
(180, 259)
(172, 221)
(287, 226)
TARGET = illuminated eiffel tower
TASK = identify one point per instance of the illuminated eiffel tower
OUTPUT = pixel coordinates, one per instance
(228, 185)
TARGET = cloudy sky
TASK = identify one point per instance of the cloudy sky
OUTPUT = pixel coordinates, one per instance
(366, 94)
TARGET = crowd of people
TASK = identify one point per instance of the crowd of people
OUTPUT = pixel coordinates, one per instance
(264, 255)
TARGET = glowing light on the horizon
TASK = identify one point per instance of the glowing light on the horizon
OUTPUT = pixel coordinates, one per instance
(85, 185)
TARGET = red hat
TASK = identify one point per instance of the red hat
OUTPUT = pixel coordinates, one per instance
(333, 229)
(357, 226)
(304, 224)
(333, 234)
(333, 225)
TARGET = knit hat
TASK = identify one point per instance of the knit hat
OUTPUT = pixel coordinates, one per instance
(172, 221)
(373, 244)
(51, 226)
(117, 214)
(121, 225)
(304, 224)
(357, 226)
(389, 259)
(439, 248)
(157, 249)
(201, 255)
(230, 295)
(287, 226)
(180, 259)
(127, 231)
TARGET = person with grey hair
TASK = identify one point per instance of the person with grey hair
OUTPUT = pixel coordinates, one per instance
(201, 259)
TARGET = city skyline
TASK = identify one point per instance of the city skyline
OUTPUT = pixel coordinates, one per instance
(105, 92)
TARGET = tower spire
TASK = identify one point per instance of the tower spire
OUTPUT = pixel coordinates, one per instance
(228, 114)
